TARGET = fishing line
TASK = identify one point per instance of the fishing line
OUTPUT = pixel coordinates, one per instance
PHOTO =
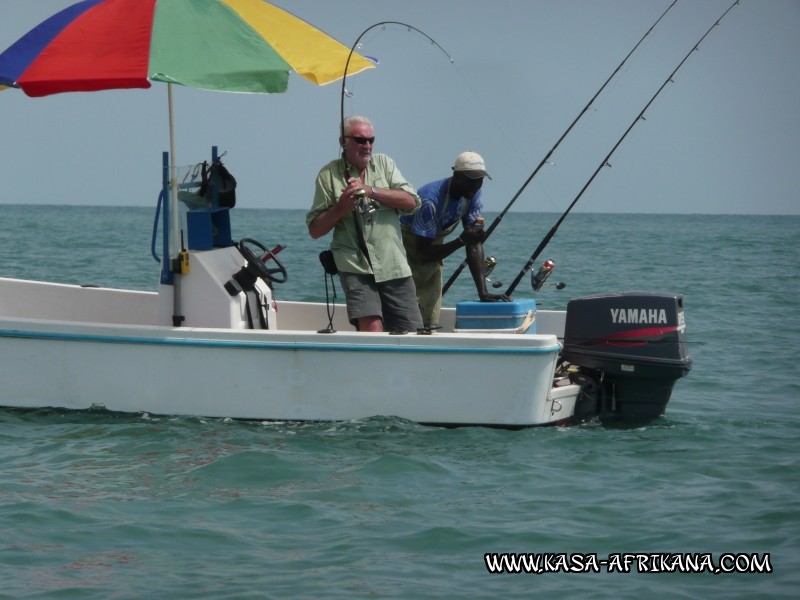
(509, 140)
(605, 162)
(547, 156)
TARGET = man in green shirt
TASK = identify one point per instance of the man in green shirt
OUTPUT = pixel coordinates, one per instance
(360, 196)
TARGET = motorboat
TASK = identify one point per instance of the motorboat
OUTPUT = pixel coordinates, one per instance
(212, 341)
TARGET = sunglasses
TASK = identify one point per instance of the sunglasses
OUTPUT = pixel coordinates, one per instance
(361, 140)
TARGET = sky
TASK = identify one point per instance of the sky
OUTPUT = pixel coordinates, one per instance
(722, 138)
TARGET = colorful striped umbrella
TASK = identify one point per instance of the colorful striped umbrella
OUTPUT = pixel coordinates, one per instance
(225, 45)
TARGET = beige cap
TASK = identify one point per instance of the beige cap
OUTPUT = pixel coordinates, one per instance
(471, 164)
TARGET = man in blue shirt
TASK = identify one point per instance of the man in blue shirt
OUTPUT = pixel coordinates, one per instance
(445, 203)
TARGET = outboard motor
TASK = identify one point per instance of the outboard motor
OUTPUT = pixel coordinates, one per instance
(633, 345)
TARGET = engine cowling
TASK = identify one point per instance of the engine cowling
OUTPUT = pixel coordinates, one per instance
(633, 345)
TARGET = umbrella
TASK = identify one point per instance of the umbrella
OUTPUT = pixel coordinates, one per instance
(223, 45)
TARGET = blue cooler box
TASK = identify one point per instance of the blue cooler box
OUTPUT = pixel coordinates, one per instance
(518, 316)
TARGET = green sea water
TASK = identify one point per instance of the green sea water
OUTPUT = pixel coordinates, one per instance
(101, 505)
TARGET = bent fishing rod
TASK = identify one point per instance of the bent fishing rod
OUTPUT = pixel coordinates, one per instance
(353, 49)
(547, 156)
(605, 161)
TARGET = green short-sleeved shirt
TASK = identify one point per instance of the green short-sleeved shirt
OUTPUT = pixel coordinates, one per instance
(382, 235)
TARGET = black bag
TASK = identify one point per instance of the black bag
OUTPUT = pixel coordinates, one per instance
(218, 178)
(326, 258)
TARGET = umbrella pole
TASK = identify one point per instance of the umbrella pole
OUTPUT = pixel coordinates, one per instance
(173, 181)
(175, 224)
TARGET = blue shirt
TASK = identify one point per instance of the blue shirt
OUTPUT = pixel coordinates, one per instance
(439, 212)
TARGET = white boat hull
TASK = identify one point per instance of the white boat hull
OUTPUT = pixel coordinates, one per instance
(281, 375)
(73, 347)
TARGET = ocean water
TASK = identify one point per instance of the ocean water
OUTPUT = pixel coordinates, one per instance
(102, 505)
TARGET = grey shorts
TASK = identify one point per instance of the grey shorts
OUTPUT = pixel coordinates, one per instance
(394, 301)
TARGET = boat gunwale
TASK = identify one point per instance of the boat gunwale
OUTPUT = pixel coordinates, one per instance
(350, 341)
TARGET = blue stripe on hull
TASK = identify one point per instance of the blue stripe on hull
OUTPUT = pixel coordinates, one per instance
(205, 343)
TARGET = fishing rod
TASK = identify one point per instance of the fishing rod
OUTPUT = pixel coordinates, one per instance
(546, 159)
(605, 161)
(365, 206)
(355, 45)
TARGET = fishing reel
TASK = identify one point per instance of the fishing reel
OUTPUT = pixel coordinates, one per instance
(539, 278)
(366, 206)
(488, 266)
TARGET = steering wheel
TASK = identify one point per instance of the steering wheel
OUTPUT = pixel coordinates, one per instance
(276, 274)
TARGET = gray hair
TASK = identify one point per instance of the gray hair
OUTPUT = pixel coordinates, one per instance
(353, 119)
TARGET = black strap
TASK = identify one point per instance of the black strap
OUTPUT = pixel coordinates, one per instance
(362, 243)
(203, 180)
(263, 308)
(330, 307)
(247, 310)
